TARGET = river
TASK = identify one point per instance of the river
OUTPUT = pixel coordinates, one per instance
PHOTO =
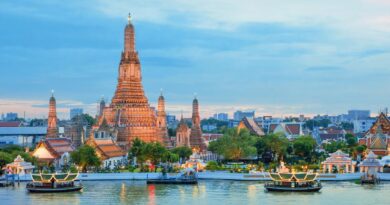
(206, 192)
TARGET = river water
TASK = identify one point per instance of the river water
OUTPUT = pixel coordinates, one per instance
(206, 192)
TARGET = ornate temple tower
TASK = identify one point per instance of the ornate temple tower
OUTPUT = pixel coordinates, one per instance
(162, 130)
(182, 134)
(196, 141)
(52, 129)
(129, 110)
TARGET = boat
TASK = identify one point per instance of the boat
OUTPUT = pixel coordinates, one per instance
(51, 183)
(188, 176)
(293, 182)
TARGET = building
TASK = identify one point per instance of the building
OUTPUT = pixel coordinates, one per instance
(75, 112)
(362, 125)
(102, 139)
(291, 130)
(129, 110)
(162, 129)
(371, 165)
(358, 114)
(22, 136)
(55, 151)
(325, 135)
(251, 125)
(209, 127)
(11, 124)
(221, 116)
(338, 162)
(377, 138)
(77, 130)
(266, 121)
(196, 141)
(52, 129)
(19, 166)
(183, 134)
(11, 116)
(238, 115)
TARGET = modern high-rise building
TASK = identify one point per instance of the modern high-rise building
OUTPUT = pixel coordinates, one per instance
(75, 112)
(239, 115)
(11, 116)
(221, 116)
(358, 114)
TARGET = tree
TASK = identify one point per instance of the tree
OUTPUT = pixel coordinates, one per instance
(154, 152)
(234, 145)
(351, 140)
(85, 157)
(277, 144)
(5, 158)
(304, 146)
(183, 152)
(334, 146)
(136, 151)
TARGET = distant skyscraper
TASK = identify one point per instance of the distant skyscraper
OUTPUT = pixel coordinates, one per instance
(358, 114)
(221, 116)
(239, 115)
(75, 112)
(11, 116)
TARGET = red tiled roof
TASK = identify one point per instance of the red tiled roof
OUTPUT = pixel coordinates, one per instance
(272, 128)
(293, 129)
(10, 124)
(106, 148)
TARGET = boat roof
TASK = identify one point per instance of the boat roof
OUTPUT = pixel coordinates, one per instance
(58, 177)
(288, 177)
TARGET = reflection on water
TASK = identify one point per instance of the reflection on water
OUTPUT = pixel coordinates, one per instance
(206, 192)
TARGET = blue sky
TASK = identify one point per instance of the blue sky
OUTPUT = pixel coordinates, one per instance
(275, 57)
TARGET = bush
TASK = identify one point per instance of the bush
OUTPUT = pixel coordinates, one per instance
(212, 166)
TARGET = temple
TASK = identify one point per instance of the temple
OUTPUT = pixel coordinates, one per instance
(162, 130)
(129, 110)
(183, 134)
(196, 141)
(52, 129)
(251, 125)
(338, 162)
(377, 138)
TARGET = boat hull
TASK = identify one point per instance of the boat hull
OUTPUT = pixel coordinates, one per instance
(295, 189)
(53, 190)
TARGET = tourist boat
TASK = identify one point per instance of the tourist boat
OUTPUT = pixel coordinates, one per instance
(59, 182)
(188, 176)
(293, 182)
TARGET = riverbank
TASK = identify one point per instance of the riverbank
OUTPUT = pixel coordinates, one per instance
(217, 175)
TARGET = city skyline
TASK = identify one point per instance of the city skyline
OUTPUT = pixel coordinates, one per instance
(284, 64)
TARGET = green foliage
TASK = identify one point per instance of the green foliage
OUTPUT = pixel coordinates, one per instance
(351, 140)
(184, 152)
(212, 166)
(316, 123)
(347, 125)
(234, 144)
(85, 156)
(304, 146)
(5, 158)
(277, 144)
(334, 146)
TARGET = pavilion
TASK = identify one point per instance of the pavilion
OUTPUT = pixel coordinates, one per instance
(371, 164)
(19, 166)
(340, 161)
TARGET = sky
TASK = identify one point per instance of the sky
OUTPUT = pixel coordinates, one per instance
(276, 57)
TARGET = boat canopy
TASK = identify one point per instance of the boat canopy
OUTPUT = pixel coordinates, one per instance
(298, 177)
(58, 177)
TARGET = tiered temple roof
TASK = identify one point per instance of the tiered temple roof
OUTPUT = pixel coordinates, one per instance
(251, 125)
(52, 148)
(129, 110)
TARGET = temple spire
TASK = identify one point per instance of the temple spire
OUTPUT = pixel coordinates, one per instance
(52, 130)
(129, 36)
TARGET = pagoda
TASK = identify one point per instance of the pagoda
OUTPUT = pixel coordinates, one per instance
(52, 129)
(162, 130)
(129, 110)
(196, 141)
